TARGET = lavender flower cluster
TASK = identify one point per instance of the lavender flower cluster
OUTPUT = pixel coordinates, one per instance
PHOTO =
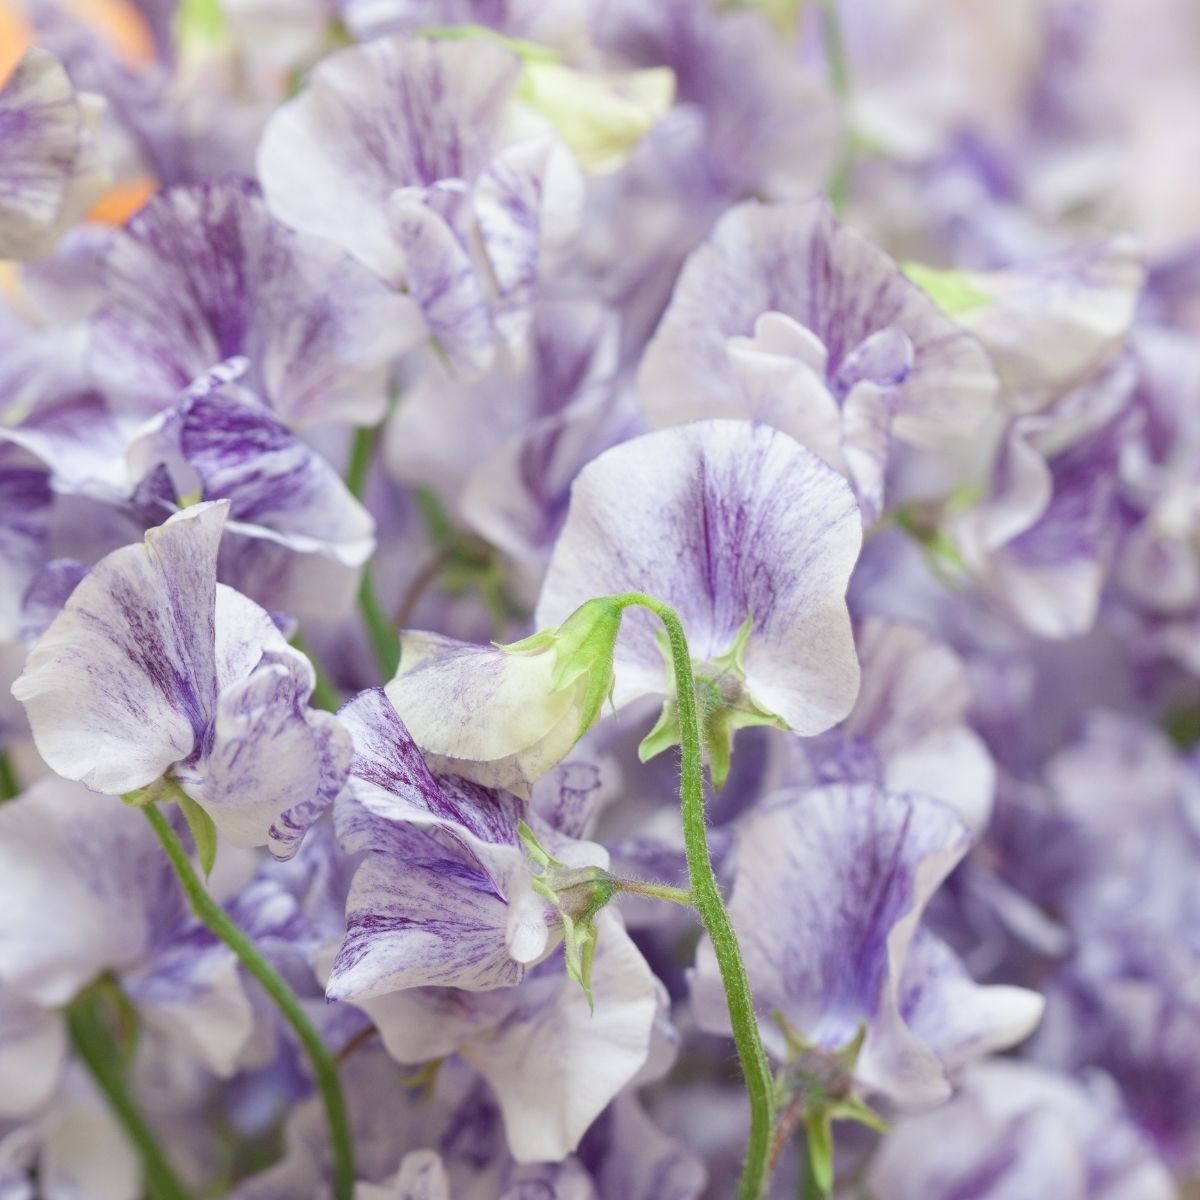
(599, 599)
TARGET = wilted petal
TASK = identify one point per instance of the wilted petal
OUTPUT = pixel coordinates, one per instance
(762, 529)
(123, 682)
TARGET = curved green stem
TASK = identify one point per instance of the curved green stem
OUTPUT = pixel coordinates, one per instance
(380, 631)
(94, 1046)
(323, 1064)
(706, 894)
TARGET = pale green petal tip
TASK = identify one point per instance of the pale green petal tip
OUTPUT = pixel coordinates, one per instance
(956, 293)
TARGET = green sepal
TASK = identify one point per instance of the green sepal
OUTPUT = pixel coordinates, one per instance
(583, 646)
(204, 832)
(819, 1131)
(577, 894)
(664, 735)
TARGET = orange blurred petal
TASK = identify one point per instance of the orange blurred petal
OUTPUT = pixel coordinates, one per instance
(119, 23)
(122, 200)
(14, 37)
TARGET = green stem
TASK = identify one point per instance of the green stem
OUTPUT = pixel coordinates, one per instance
(362, 450)
(839, 81)
(711, 907)
(95, 1048)
(385, 641)
(380, 630)
(325, 691)
(657, 891)
(323, 1064)
(10, 785)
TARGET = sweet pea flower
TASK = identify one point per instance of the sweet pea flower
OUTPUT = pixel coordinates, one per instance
(822, 871)
(764, 536)
(51, 169)
(786, 316)
(401, 152)
(1016, 1129)
(154, 669)
(204, 273)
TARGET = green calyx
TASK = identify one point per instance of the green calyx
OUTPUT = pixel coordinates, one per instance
(200, 824)
(578, 894)
(818, 1083)
(725, 706)
(583, 647)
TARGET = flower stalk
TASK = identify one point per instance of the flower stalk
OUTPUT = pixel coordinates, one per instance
(324, 1066)
(95, 1048)
(706, 895)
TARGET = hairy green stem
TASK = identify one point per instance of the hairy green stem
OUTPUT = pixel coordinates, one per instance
(94, 1046)
(10, 785)
(657, 891)
(710, 904)
(324, 1067)
(325, 691)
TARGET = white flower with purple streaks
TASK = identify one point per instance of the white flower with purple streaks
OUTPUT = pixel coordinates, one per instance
(1048, 325)
(828, 894)
(908, 731)
(399, 151)
(1017, 1130)
(295, 536)
(25, 507)
(51, 169)
(1042, 540)
(153, 668)
(85, 889)
(552, 1061)
(788, 317)
(764, 536)
(445, 894)
(204, 273)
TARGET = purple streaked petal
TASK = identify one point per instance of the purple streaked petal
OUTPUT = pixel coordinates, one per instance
(204, 273)
(395, 113)
(50, 168)
(795, 259)
(124, 682)
(761, 529)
